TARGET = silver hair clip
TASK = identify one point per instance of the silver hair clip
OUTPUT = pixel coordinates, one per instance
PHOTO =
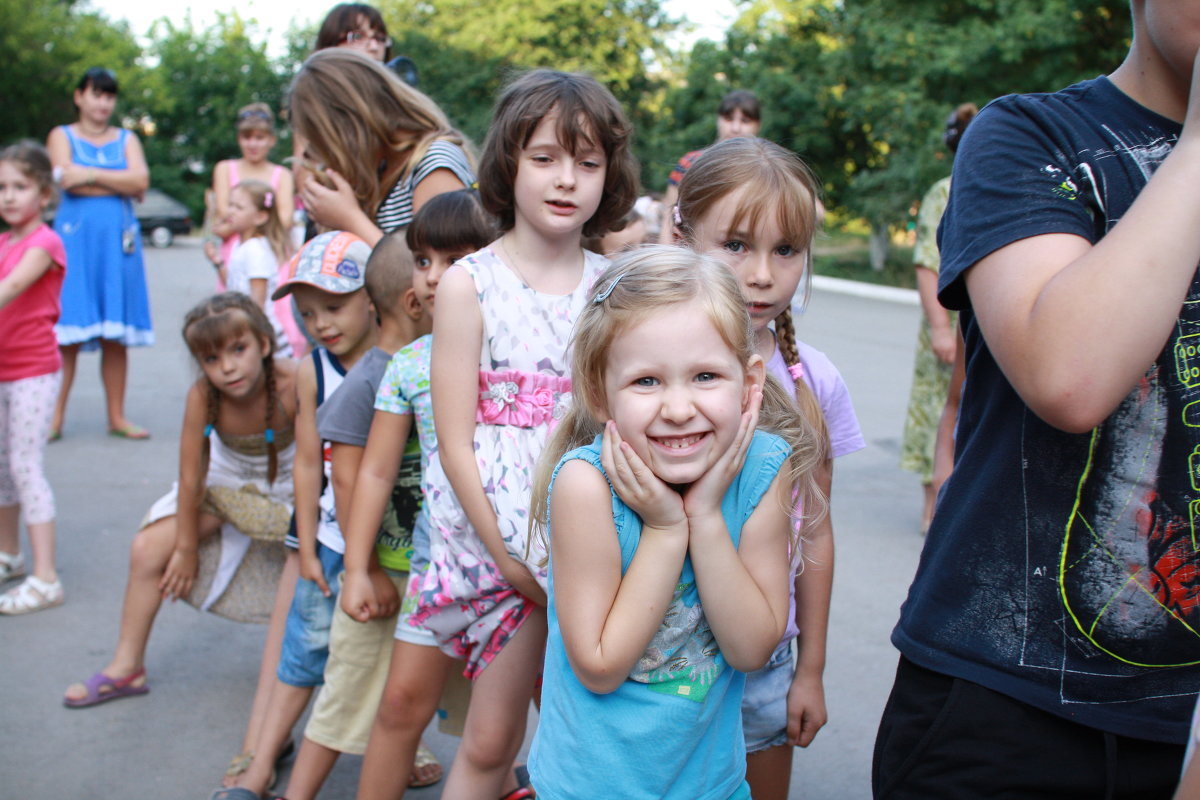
(600, 298)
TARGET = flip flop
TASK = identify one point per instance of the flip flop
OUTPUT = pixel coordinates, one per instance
(55, 435)
(101, 689)
(130, 431)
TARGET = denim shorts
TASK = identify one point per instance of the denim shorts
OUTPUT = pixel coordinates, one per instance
(764, 704)
(306, 633)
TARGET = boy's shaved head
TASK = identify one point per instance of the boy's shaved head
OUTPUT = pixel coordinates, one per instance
(389, 272)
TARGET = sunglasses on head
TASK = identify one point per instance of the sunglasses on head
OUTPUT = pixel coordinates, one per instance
(253, 113)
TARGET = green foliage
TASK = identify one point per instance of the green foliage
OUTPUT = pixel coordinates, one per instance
(914, 61)
(47, 47)
(465, 51)
(858, 87)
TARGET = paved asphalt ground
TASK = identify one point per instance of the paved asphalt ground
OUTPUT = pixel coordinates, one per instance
(176, 741)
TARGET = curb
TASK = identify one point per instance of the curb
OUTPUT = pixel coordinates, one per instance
(871, 291)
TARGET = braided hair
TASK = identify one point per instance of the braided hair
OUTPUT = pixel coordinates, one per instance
(206, 328)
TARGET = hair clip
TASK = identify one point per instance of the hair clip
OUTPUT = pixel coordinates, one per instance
(796, 371)
(474, 186)
(269, 435)
(675, 216)
(208, 429)
(268, 199)
(600, 298)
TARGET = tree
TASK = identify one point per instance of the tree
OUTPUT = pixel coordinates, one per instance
(466, 50)
(909, 63)
(47, 47)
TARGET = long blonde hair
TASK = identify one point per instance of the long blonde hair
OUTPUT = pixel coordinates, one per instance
(363, 122)
(639, 284)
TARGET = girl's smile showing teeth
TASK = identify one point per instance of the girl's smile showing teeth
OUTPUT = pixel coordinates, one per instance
(676, 392)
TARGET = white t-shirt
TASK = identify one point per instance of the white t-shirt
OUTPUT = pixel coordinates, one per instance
(253, 259)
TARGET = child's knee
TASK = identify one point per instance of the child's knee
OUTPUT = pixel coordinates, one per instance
(405, 706)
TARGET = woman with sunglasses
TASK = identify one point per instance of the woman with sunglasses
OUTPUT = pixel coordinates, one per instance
(105, 306)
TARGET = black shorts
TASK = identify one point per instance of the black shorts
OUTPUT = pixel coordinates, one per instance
(943, 737)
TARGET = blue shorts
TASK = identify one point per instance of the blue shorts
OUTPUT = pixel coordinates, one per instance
(764, 704)
(306, 633)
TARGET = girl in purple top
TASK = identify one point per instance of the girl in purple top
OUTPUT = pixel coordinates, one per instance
(754, 205)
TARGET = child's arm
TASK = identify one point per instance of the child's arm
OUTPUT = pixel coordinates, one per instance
(32, 266)
(454, 383)
(362, 597)
(285, 201)
(221, 189)
(1038, 299)
(814, 586)
(258, 293)
(607, 619)
(307, 472)
(180, 571)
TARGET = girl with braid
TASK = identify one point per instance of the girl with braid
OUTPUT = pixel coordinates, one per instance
(233, 499)
(754, 205)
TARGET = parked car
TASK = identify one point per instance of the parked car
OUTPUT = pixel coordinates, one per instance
(161, 217)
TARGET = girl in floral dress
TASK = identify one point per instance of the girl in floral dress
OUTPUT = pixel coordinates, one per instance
(556, 166)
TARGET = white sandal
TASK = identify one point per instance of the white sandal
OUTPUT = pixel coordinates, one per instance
(33, 594)
(11, 566)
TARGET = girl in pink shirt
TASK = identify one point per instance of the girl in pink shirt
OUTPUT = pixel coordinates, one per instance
(32, 265)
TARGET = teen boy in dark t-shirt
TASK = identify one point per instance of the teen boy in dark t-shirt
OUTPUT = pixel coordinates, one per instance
(1051, 635)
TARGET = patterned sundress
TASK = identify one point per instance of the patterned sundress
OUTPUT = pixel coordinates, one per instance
(524, 388)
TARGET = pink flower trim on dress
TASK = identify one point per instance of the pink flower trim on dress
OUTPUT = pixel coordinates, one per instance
(513, 397)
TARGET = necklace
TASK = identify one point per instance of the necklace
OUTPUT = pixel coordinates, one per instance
(512, 263)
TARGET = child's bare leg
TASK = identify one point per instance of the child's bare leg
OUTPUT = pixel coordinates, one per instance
(496, 718)
(41, 543)
(287, 704)
(70, 354)
(270, 658)
(148, 557)
(414, 684)
(312, 767)
(10, 534)
(769, 772)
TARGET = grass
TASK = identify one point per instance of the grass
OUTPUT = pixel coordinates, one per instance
(845, 255)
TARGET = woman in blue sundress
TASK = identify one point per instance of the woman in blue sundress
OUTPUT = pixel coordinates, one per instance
(105, 305)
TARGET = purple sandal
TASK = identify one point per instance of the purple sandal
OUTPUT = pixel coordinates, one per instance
(101, 688)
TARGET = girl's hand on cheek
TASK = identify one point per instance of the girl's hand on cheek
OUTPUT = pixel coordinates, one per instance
(337, 208)
(655, 502)
(704, 496)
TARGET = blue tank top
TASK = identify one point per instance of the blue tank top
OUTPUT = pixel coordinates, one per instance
(673, 729)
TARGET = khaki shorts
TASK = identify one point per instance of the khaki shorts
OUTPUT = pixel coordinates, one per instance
(355, 675)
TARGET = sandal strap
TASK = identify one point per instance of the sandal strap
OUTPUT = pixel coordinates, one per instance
(33, 593)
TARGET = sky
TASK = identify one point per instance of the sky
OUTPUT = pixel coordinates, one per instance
(709, 17)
